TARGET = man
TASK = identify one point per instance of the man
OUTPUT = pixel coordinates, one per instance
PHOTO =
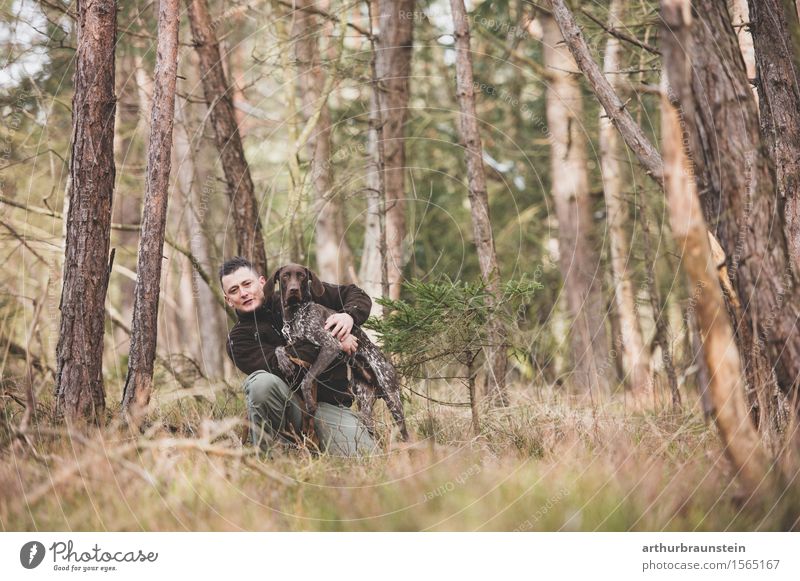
(274, 408)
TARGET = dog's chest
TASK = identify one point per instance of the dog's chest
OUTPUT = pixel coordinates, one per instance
(300, 323)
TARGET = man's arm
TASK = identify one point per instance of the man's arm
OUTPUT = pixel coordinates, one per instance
(348, 299)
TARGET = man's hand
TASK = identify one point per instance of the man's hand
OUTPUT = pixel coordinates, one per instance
(349, 344)
(340, 325)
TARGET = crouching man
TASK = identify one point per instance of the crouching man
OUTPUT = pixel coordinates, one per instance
(273, 401)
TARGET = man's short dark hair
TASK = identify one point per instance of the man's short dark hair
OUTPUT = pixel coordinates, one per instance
(234, 264)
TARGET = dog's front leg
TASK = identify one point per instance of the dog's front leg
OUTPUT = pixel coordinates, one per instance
(309, 387)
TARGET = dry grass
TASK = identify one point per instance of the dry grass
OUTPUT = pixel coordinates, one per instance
(546, 465)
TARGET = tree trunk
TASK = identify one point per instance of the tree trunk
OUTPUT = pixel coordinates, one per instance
(393, 64)
(79, 376)
(144, 334)
(688, 227)
(496, 354)
(635, 361)
(776, 32)
(244, 206)
(208, 329)
(738, 194)
(334, 258)
(370, 275)
(579, 261)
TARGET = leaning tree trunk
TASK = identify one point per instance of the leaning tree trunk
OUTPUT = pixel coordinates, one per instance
(79, 376)
(496, 352)
(244, 207)
(741, 440)
(635, 360)
(334, 258)
(776, 34)
(139, 382)
(579, 260)
(393, 70)
(738, 194)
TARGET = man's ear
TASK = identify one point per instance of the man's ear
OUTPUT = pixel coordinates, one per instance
(315, 284)
(269, 287)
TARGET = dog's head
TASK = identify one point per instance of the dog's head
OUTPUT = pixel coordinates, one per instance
(297, 284)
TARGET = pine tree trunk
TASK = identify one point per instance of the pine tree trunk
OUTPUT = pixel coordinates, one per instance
(144, 333)
(738, 193)
(334, 258)
(776, 34)
(635, 360)
(579, 261)
(244, 206)
(688, 227)
(496, 352)
(79, 376)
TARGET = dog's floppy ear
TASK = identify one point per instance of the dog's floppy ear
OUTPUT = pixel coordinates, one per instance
(315, 284)
(269, 288)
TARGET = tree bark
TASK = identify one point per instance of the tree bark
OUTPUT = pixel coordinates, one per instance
(244, 206)
(776, 32)
(79, 375)
(393, 70)
(726, 386)
(738, 193)
(144, 334)
(334, 258)
(635, 360)
(579, 260)
(496, 352)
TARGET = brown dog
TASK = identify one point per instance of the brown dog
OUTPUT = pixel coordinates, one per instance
(373, 374)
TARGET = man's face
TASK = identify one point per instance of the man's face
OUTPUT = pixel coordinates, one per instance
(244, 290)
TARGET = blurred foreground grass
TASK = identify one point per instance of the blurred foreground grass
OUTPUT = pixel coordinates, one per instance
(543, 465)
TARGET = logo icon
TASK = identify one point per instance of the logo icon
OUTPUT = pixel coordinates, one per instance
(31, 554)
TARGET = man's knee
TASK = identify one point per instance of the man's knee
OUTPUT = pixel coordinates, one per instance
(262, 387)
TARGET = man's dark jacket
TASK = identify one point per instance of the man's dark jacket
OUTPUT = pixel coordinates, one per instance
(252, 340)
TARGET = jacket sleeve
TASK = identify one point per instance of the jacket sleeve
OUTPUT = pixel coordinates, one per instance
(249, 353)
(348, 299)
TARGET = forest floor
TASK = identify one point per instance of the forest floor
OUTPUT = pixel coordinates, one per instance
(543, 464)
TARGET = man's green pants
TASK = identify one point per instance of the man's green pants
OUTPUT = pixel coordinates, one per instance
(274, 410)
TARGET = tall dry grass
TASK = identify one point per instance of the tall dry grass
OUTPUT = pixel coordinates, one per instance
(543, 464)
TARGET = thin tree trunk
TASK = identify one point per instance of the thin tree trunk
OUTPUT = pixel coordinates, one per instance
(776, 32)
(209, 328)
(496, 352)
(144, 334)
(393, 62)
(370, 271)
(334, 258)
(727, 382)
(79, 375)
(244, 206)
(635, 362)
(740, 20)
(579, 260)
